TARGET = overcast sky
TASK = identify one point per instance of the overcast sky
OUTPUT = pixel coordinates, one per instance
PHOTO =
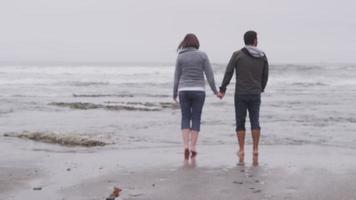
(289, 31)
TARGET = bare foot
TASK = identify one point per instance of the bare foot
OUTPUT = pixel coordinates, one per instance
(186, 154)
(194, 153)
(193, 163)
(241, 156)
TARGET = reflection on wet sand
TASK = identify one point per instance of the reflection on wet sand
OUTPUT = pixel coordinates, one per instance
(190, 164)
(241, 157)
(255, 159)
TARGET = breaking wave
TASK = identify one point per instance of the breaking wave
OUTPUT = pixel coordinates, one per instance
(118, 106)
(53, 138)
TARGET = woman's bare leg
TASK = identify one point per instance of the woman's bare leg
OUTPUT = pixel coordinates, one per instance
(194, 139)
(185, 136)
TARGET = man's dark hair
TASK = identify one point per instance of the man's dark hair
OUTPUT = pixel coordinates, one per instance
(250, 37)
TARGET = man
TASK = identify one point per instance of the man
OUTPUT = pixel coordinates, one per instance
(251, 68)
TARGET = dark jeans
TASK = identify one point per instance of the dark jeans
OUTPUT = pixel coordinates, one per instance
(191, 104)
(251, 103)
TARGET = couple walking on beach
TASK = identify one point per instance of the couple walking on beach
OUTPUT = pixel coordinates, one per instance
(251, 67)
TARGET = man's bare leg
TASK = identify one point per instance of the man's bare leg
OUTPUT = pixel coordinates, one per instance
(241, 140)
(256, 138)
(185, 136)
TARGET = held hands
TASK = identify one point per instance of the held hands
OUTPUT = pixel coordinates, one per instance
(220, 95)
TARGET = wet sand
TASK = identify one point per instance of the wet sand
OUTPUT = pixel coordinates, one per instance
(45, 171)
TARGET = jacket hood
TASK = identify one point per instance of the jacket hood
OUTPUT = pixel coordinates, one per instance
(254, 51)
(186, 50)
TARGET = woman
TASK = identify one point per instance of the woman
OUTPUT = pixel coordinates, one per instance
(189, 82)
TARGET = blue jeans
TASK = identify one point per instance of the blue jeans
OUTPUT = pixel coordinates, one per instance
(191, 104)
(252, 103)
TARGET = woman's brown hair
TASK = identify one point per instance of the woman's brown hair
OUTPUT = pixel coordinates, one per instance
(190, 40)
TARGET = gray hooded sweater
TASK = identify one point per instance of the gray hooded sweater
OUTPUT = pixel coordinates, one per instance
(251, 68)
(190, 67)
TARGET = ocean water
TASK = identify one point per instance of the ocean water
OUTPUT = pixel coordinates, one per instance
(130, 106)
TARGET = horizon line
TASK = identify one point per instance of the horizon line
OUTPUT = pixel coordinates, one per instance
(108, 63)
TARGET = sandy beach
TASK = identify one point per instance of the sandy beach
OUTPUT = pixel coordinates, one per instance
(41, 171)
(67, 134)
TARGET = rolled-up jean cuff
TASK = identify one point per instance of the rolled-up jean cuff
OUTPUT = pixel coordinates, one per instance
(240, 129)
(185, 127)
(195, 129)
(192, 129)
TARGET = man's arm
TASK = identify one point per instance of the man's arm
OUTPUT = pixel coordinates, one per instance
(177, 74)
(265, 74)
(228, 73)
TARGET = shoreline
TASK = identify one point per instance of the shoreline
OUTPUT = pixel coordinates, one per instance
(284, 172)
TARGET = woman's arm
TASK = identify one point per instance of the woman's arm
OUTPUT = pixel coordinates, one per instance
(209, 74)
(177, 74)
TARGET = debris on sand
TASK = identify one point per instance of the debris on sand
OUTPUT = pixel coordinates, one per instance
(115, 193)
(238, 182)
(53, 138)
(135, 194)
(37, 188)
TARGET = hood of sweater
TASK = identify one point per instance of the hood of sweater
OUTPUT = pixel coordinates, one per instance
(186, 50)
(254, 51)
